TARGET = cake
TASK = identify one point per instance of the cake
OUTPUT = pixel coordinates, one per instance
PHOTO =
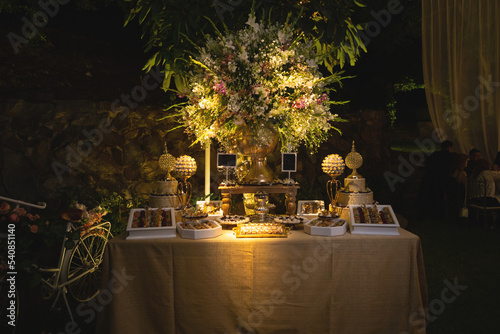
(165, 195)
(354, 193)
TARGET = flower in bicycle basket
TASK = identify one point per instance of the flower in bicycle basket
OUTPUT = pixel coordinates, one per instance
(90, 218)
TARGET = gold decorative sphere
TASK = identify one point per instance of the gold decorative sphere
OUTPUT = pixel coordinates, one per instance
(185, 166)
(167, 163)
(354, 160)
(333, 165)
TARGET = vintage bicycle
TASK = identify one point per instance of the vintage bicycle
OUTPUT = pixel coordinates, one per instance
(78, 268)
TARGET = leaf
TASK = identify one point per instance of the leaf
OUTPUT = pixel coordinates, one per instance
(151, 62)
(167, 79)
(143, 15)
(180, 81)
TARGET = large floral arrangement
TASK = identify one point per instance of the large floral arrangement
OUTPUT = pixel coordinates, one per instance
(261, 74)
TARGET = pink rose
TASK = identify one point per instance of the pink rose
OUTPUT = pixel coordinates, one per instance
(4, 207)
(20, 211)
(34, 228)
(14, 218)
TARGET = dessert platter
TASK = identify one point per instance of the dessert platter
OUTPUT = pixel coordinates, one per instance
(186, 216)
(151, 223)
(310, 208)
(232, 220)
(290, 219)
(373, 219)
(326, 227)
(199, 229)
(261, 230)
(212, 208)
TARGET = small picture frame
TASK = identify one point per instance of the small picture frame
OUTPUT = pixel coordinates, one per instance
(289, 162)
(226, 160)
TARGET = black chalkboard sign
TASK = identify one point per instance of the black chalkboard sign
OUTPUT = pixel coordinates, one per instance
(288, 162)
(226, 160)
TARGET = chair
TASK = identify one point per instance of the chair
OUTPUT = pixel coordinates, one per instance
(479, 205)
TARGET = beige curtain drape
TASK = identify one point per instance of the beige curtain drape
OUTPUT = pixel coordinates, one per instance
(461, 62)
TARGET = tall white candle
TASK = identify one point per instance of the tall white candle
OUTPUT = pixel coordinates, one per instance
(207, 169)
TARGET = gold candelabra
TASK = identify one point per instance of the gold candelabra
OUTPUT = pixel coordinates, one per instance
(333, 165)
(185, 167)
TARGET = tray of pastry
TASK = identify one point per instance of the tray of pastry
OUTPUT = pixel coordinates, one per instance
(290, 219)
(329, 227)
(373, 219)
(261, 230)
(232, 220)
(212, 208)
(150, 223)
(310, 208)
(199, 229)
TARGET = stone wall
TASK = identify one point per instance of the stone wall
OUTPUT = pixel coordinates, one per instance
(65, 150)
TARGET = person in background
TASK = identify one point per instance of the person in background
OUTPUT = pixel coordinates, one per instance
(496, 162)
(432, 193)
(456, 186)
(482, 183)
(474, 155)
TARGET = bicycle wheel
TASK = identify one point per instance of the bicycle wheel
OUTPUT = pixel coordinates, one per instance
(82, 266)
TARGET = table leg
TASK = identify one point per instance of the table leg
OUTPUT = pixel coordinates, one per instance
(290, 202)
(226, 203)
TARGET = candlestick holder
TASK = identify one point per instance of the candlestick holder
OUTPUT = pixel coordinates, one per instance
(185, 167)
(333, 165)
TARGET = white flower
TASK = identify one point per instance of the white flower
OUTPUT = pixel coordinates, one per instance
(243, 55)
(238, 120)
(311, 63)
(251, 22)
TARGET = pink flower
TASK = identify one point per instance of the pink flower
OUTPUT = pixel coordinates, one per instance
(5, 207)
(34, 228)
(300, 104)
(220, 88)
(14, 218)
(31, 217)
(20, 211)
(322, 98)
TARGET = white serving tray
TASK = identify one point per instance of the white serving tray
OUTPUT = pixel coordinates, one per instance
(211, 215)
(374, 229)
(199, 234)
(151, 232)
(326, 231)
(301, 205)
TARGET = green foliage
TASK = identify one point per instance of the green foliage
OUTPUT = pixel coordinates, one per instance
(172, 29)
(118, 208)
(406, 85)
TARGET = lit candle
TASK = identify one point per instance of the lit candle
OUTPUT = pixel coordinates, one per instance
(207, 170)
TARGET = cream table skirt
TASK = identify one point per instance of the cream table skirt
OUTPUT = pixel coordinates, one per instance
(300, 284)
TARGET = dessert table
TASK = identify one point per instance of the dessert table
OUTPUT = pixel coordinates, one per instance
(300, 284)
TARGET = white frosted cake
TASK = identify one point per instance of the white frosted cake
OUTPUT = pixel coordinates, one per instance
(354, 193)
(165, 195)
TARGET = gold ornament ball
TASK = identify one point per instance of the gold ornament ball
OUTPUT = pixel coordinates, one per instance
(333, 165)
(167, 162)
(185, 166)
(354, 160)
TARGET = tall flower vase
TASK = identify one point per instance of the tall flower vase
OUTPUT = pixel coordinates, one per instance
(257, 141)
